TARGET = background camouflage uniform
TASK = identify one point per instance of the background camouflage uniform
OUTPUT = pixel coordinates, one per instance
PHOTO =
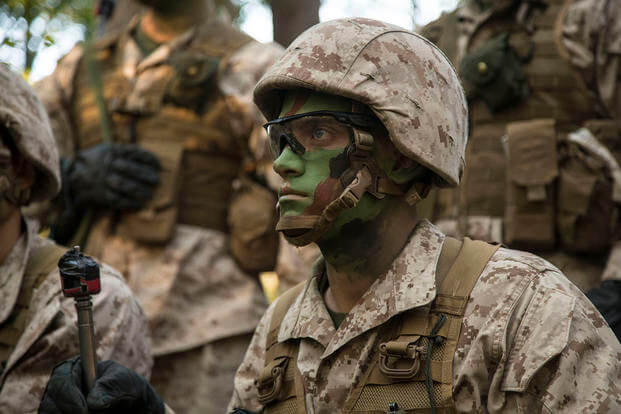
(191, 95)
(495, 200)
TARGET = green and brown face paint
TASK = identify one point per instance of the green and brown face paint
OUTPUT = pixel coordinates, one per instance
(312, 178)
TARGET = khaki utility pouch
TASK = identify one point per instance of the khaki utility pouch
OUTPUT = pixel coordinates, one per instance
(252, 219)
(155, 223)
(532, 169)
(589, 184)
(492, 72)
(413, 363)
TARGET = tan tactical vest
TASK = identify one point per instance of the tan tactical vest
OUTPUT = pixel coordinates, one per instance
(177, 111)
(549, 191)
(555, 93)
(413, 364)
(43, 261)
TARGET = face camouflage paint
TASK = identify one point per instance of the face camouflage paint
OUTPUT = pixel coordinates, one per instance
(314, 153)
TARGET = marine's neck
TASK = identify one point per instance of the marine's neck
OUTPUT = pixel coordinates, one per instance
(364, 251)
(164, 27)
(10, 232)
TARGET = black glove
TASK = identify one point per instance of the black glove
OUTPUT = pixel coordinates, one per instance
(117, 390)
(112, 176)
(607, 299)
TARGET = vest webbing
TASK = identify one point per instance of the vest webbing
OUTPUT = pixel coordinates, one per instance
(39, 265)
(199, 153)
(555, 93)
(405, 341)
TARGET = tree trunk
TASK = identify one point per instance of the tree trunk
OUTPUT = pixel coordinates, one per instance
(290, 18)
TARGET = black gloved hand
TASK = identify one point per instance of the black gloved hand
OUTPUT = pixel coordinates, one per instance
(117, 390)
(112, 176)
(607, 299)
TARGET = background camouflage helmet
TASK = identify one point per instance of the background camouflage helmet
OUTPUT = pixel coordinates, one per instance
(408, 83)
(23, 115)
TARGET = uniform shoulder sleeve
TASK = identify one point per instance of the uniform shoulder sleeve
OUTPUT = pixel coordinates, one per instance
(244, 68)
(588, 35)
(244, 392)
(56, 92)
(531, 341)
(559, 355)
(238, 76)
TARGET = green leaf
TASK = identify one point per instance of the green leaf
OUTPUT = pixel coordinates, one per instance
(8, 42)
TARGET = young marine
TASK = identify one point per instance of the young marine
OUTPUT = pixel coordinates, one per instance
(37, 323)
(190, 235)
(364, 117)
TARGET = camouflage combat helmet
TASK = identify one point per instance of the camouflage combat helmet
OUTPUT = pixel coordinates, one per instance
(403, 78)
(25, 119)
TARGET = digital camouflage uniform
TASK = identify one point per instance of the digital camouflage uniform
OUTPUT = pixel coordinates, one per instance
(189, 103)
(543, 157)
(529, 340)
(50, 334)
(37, 323)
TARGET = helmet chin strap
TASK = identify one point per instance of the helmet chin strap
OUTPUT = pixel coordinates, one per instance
(301, 230)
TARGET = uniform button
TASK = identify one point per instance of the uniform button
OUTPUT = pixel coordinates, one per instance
(482, 67)
(192, 70)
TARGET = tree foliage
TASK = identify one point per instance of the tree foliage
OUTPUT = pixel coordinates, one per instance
(28, 26)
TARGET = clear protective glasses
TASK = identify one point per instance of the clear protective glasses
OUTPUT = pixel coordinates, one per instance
(315, 130)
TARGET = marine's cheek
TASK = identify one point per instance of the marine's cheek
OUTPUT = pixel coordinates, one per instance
(325, 192)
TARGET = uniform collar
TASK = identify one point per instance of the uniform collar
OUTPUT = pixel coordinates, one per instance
(409, 283)
(134, 62)
(12, 271)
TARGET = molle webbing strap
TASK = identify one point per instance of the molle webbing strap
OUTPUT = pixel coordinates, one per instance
(424, 341)
(282, 305)
(41, 263)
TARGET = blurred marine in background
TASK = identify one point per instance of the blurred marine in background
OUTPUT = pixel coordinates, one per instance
(543, 81)
(174, 200)
(37, 324)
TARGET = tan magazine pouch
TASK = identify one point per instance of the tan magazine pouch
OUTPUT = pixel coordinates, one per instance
(156, 221)
(532, 168)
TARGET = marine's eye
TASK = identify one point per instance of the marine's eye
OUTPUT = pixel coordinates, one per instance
(318, 133)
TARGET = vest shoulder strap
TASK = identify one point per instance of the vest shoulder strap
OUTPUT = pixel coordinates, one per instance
(454, 288)
(281, 307)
